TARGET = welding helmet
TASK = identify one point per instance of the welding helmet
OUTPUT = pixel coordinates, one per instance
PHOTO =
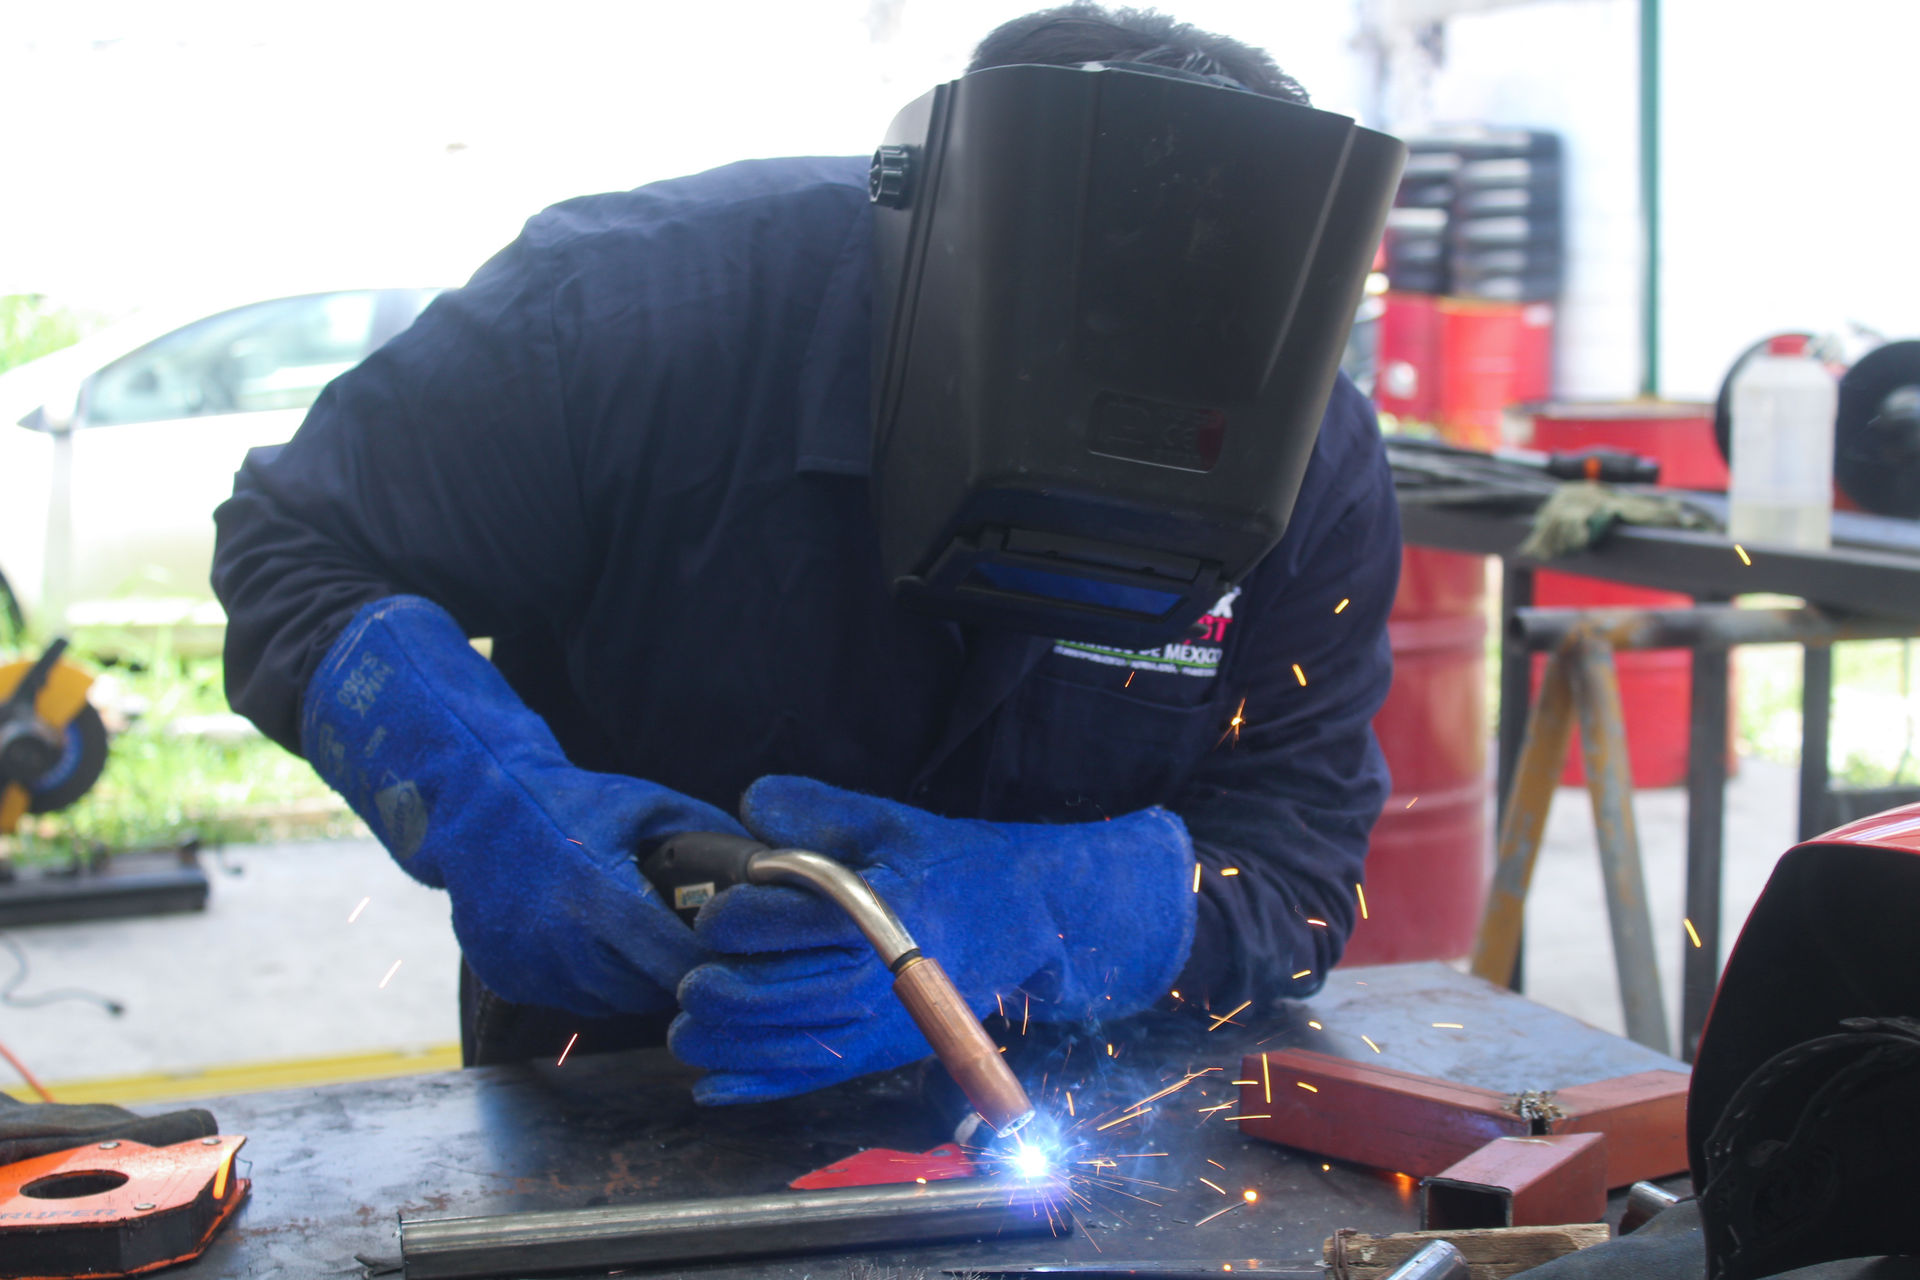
(1804, 1107)
(1110, 303)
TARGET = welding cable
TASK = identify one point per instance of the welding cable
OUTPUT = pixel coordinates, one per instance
(33, 1081)
(7, 997)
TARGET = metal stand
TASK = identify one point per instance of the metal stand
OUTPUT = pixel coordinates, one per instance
(1580, 680)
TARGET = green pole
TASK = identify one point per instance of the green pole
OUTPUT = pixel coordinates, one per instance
(1650, 195)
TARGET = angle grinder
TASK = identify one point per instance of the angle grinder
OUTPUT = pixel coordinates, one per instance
(52, 742)
(691, 868)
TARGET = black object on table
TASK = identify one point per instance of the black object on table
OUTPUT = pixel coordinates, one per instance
(334, 1168)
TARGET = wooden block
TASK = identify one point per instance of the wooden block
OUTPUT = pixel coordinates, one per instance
(1370, 1115)
(1520, 1182)
(1490, 1255)
(1644, 1117)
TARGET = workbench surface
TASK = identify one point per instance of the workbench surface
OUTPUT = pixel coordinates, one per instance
(334, 1168)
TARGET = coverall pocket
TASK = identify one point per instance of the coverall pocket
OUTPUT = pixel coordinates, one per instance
(1075, 753)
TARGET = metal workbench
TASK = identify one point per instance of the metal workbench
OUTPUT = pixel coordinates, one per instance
(1872, 569)
(335, 1167)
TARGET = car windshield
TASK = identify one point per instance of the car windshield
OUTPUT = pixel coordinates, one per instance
(270, 355)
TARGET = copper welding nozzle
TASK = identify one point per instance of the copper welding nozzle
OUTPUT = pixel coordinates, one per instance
(923, 987)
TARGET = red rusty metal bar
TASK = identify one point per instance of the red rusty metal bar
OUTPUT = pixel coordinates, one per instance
(1370, 1115)
(1520, 1182)
(1644, 1116)
(1419, 1125)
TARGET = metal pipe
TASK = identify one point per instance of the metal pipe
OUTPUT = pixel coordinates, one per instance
(1438, 1261)
(1707, 626)
(854, 896)
(674, 1231)
(1645, 1202)
(1706, 837)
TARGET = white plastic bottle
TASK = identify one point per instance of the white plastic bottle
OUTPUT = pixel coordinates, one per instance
(1784, 402)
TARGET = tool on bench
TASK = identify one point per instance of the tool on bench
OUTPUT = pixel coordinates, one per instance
(691, 868)
(52, 743)
(116, 1208)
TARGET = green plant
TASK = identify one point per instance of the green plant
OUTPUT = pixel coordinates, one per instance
(31, 327)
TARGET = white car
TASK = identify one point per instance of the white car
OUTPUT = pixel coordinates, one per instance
(115, 451)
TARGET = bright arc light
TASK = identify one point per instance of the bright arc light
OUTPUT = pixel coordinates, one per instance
(1030, 1161)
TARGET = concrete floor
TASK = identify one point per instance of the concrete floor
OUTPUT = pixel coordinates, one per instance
(273, 970)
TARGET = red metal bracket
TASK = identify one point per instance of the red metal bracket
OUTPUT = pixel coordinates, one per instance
(113, 1209)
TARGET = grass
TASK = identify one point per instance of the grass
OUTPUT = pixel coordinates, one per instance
(181, 767)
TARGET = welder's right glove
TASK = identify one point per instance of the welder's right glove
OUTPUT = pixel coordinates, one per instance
(470, 792)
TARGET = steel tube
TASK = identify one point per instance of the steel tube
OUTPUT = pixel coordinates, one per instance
(854, 895)
(1707, 626)
(1706, 834)
(730, 1227)
(1438, 1261)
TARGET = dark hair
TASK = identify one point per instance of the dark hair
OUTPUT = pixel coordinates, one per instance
(1086, 32)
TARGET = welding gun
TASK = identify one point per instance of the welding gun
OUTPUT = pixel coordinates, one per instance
(689, 869)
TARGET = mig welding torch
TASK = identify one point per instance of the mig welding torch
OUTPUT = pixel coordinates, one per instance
(690, 868)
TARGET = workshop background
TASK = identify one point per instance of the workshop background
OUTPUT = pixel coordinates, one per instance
(183, 157)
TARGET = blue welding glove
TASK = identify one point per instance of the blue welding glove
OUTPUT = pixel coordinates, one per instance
(1086, 919)
(470, 792)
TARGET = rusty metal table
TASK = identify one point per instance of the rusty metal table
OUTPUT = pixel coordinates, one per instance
(335, 1167)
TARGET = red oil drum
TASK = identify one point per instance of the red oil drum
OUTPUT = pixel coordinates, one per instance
(1409, 357)
(1481, 346)
(1655, 685)
(1430, 856)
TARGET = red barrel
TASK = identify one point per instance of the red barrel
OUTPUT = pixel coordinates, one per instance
(1655, 685)
(1429, 858)
(1483, 347)
(1409, 357)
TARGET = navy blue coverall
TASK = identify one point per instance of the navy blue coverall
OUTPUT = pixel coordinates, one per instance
(633, 451)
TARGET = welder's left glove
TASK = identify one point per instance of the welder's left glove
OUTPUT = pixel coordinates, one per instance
(1059, 921)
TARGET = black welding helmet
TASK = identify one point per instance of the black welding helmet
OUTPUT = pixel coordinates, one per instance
(1110, 303)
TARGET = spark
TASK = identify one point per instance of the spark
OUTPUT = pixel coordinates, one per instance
(1342, 605)
(1236, 1119)
(1216, 1164)
(571, 840)
(1175, 1087)
(389, 978)
(1196, 877)
(357, 910)
(1360, 892)
(1210, 1217)
(1413, 802)
(1136, 1155)
(1110, 1052)
(571, 1041)
(1266, 1078)
(1218, 1106)
(1070, 1105)
(1175, 994)
(1456, 1026)
(1131, 1115)
(1002, 1003)
(1308, 1087)
(1317, 922)
(1233, 725)
(1229, 871)
(829, 1048)
(1216, 1186)
(1303, 973)
(1744, 558)
(1228, 1017)
(1692, 933)
(921, 1181)
(1243, 1082)
(1299, 675)
(1025, 1014)
(1316, 1026)
(1250, 1196)
(1370, 1044)
(1326, 1168)
(1130, 676)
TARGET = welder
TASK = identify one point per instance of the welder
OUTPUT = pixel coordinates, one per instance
(986, 517)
